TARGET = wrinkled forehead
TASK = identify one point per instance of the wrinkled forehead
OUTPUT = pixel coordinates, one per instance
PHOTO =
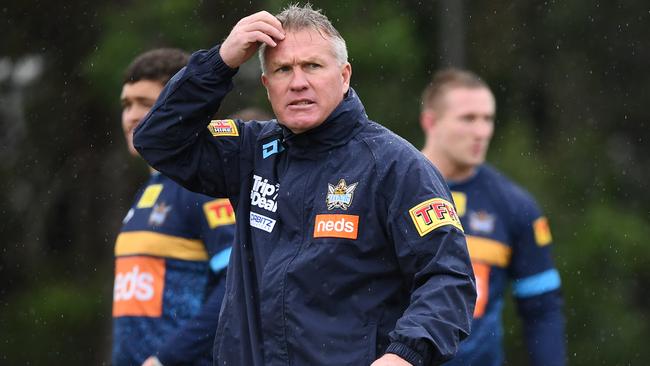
(301, 42)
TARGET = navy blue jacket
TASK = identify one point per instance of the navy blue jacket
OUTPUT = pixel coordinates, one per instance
(347, 243)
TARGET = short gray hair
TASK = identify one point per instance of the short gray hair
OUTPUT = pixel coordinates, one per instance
(296, 18)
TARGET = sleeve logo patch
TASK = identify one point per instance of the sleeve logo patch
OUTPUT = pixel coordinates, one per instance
(432, 214)
(223, 127)
(219, 212)
(149, 196)
(542, 232)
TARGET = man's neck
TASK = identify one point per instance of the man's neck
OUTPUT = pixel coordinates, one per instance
(449, 170)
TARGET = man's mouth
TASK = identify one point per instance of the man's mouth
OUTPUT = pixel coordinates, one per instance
(301, 102)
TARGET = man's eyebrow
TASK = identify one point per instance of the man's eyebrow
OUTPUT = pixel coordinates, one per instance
(124, 100)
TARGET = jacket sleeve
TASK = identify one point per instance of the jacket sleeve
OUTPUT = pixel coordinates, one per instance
(174, 137)
(433, 256)
(536, 286)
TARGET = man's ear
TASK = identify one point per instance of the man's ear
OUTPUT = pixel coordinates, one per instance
(427, 120)
(265, 82)
(346, 75)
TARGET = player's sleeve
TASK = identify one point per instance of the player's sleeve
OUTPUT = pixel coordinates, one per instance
(178, 138)
(536, 287)
(215, 220)
(194, 340)
(431, 249)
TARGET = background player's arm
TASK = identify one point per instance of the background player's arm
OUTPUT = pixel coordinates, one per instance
(216, 219)
(536, 288)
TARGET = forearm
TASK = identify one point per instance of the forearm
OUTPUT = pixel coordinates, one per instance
(544, 329)
(440, 312)
(194, 340)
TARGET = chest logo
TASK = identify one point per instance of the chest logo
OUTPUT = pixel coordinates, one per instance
(481, 222)
(139, 286)
(340, 196)
(264, 194)
(149, 196)
(159, 214)
(336, 226)
(271, 148)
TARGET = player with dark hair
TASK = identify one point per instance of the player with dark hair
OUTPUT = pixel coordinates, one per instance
(508, 237)
(172, 251)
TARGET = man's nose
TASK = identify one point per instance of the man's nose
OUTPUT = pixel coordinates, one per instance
(484, 128)
(298, 80)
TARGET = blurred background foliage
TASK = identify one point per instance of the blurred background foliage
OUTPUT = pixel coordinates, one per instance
(569, 78)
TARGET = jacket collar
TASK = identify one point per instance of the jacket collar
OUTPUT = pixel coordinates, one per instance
(346, 120)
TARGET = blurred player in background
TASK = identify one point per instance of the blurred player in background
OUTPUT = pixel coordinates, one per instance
(507, 235)
(172, 251)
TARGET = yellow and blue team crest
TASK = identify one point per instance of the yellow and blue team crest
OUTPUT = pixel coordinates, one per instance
(223, 127)
(481, 222)
(340, 196)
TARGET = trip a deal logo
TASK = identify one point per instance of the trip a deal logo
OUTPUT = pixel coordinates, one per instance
(432, 214)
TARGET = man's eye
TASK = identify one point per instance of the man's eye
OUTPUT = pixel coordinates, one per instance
(313, 66)
(282, 69)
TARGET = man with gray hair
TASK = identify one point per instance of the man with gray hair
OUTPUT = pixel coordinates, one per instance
(349, 250)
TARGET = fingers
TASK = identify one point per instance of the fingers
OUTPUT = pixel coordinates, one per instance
(265, 28)
(248, 33)
(263, 16)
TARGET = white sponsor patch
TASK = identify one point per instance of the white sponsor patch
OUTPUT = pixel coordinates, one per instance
(261, 222)
(264, 194)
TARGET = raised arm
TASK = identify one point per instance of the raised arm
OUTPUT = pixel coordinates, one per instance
(174, 138)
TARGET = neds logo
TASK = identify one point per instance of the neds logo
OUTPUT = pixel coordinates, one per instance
(133, 284)
(138, 288)
(336, 226)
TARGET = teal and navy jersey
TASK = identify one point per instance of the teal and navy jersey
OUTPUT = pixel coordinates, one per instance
(171, 256)
(509, 241)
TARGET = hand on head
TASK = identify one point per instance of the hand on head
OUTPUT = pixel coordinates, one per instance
(247, 35)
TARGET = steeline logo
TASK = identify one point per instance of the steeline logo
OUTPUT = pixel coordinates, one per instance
(261, 222)
(340, 196)
(264, 194)
(271, 148)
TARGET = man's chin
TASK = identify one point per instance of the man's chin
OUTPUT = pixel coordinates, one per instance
(300, 126)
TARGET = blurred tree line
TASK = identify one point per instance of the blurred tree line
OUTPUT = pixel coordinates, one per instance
(569, 79)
